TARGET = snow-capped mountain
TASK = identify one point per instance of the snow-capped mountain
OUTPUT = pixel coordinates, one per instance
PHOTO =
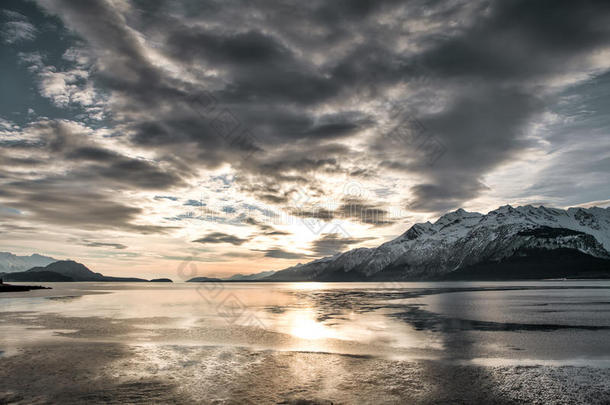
(521, 242)
(11, 263)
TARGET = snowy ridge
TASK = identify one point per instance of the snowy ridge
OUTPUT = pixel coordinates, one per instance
(11, 263)
(460, 239)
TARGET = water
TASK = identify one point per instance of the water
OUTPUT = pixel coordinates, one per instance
(330, 338)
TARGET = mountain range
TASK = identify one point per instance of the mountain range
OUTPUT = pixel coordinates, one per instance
(525, 242)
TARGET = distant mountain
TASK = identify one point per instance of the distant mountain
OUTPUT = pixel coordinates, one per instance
(37, 276)
(10, 263)
(69, 268)
(250, 277)
(508, 243)
(63, 270)
(202, 280)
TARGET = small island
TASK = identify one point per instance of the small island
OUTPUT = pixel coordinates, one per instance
(15, 288)
(161, 280)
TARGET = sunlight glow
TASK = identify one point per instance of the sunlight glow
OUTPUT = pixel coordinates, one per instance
(304, 326)
(306, 286)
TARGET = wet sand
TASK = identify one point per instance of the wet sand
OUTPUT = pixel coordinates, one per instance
(114, 373)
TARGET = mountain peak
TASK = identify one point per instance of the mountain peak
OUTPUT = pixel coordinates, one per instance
(416, 230)
(504, 209)
(456, 216)
(70, 268)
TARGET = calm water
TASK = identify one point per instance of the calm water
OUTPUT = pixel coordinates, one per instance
(385, 325)
(565, 321)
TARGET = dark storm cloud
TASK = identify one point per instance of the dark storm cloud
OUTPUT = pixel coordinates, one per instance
(438, 197)
(261, 71)
(100, 165)
(125, 64)
(301, 78)
(482, 128)
(263, 79)
(303, 158)
(521, 40)
(331, 244)
(244, 48)
(91, 153)
(63, 201)
(83, 193)
(497, 68)
(219, 237)
(339, 125)
(296, 165)
(62, 142)
(588, 109)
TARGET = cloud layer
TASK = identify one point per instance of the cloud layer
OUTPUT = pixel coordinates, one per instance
(425, 105)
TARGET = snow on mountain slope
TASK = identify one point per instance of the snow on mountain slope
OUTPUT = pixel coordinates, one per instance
(460, 239)
(12, 263)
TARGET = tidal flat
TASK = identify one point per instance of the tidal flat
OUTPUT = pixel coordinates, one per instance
(307, 343)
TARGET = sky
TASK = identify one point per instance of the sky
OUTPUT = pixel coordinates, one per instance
(225, 136)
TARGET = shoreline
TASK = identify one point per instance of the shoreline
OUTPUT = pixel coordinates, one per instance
(19, 288)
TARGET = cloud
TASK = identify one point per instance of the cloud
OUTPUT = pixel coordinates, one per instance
(63, 202)
(602, 203)
(498, 76)
(89, 243)
(331, 244)
(279, 253)
(68, 87)
(166, 197)
(89, 161)
(359, 210)
(219, 237)
(194, 203)
(422, 100)
(17, 228)
(265, 229)
(76, 179)
(17, 28)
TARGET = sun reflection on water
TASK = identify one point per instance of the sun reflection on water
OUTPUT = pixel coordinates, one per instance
(307, 286)
(303, 324)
